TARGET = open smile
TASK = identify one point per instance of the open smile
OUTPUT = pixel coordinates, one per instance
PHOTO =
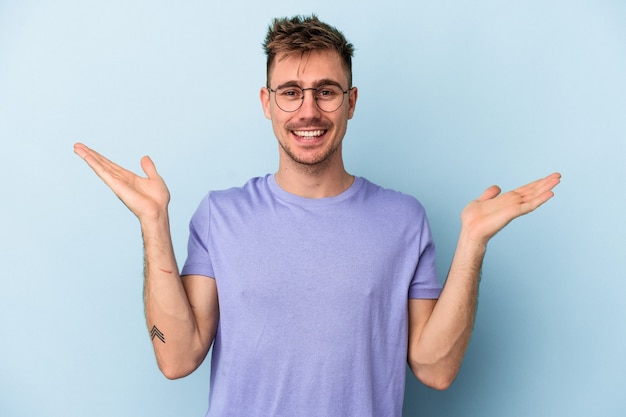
(309, 133)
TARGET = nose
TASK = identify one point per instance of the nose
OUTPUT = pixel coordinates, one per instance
(309, 108)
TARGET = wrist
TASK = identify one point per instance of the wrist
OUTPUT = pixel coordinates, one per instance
(155, 223)
(472, 242)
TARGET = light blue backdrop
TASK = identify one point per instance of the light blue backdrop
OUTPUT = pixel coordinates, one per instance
(454, 96)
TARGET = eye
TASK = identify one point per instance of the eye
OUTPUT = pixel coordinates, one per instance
(290, 93)
(328, 91)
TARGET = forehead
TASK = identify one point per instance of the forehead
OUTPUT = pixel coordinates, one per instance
(308, 67)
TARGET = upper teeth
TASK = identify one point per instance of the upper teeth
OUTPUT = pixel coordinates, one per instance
(309, 133)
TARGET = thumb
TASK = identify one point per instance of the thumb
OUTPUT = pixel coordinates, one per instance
(490, 193)
(148, 167)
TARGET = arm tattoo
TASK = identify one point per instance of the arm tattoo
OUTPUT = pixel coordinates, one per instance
(155, 332)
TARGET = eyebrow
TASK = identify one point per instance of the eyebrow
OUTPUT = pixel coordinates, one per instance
(316, 84)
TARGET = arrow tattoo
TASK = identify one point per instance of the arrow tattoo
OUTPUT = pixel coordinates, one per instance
(155, 332)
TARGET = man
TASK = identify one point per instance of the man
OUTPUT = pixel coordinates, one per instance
(314, 286)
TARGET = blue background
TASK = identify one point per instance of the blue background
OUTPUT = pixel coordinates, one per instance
(454, 96)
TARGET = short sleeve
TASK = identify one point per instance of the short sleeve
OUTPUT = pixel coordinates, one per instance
(198, 260)
(425, 283)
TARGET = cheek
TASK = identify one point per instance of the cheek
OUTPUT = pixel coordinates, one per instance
(277, 120)
(343, 120)
(278, 125)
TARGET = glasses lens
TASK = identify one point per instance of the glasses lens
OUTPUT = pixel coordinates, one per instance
(328, 97)
(289, 98)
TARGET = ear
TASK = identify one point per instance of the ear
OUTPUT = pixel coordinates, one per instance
(352, 96)
(265, 102)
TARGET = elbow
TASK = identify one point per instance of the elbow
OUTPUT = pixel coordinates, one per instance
(434, 376)
(172, 373)
(438, 383)
(176, 370)
(179, 364)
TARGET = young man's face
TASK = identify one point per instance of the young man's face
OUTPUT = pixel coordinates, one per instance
(309, 136)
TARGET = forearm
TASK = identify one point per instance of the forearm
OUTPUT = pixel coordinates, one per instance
(169, 316)
(440, 334)
(179, 341)
(435, 356)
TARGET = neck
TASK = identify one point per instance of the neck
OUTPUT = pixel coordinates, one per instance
(313, 181)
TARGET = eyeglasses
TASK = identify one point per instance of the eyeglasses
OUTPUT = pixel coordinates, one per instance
(328, 97)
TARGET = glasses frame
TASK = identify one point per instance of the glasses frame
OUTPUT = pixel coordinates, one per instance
(314, 89)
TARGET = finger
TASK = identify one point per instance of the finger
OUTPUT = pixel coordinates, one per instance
(104, 168)
(552, 180)
(537, 193)
(490, 193)
(80, 149)
(148, 167)
(531, 204)
(540, 186)
(89, 155)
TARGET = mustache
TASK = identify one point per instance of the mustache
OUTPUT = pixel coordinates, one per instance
(312, 124)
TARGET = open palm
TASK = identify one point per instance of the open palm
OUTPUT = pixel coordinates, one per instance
(147, 197)
(492, 211)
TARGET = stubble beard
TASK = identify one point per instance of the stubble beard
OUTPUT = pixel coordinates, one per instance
(315, 165)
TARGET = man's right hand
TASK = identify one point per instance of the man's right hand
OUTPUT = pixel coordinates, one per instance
(147, 197)
(185, 312)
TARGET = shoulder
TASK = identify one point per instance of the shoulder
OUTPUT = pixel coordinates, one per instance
(237, 202)
(253, 189)
(229, 204)
(390, 199)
